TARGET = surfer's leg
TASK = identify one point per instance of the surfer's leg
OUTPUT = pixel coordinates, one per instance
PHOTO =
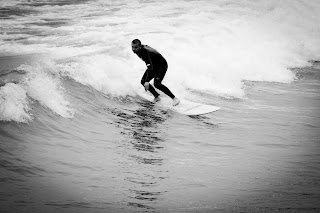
(146, 78)
(158, 79)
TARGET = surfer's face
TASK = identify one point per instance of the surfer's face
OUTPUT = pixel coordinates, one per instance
(136, 47)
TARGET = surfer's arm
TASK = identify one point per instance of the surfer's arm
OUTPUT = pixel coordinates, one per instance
(149, 69)
(149, 62)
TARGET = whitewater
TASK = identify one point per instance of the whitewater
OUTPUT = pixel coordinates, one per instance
(77, 136)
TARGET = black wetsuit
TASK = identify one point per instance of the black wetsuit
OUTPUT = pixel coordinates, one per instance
(157, 68)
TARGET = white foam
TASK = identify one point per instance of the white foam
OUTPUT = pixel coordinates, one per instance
(102, 72)
(210, 46)
(46, 89)
(14, 104)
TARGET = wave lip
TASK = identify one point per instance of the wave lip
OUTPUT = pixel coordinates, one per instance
(38, 84)
(14, 105)
(47, 89)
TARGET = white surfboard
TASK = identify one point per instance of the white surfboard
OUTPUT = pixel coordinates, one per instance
(184, 107)
(191, 108)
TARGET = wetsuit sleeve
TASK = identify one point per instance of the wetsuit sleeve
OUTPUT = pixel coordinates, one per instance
(149, 62)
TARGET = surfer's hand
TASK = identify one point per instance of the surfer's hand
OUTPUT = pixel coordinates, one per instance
(146, 86)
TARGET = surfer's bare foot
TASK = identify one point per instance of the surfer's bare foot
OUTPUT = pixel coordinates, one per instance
(176, 101)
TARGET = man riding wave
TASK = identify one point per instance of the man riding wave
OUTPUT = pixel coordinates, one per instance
(156, 68)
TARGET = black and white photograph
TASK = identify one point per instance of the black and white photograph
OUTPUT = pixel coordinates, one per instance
(159, 106)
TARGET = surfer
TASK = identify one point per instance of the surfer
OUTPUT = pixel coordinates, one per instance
(156, 68)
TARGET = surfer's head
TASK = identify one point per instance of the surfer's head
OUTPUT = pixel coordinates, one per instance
(136, 45)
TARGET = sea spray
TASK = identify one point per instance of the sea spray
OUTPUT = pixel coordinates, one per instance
(46, 89)
(14, 104)
(104, 73)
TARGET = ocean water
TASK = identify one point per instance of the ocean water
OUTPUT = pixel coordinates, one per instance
(76, 136)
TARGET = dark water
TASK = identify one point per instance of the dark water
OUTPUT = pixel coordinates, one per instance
(255, 155)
